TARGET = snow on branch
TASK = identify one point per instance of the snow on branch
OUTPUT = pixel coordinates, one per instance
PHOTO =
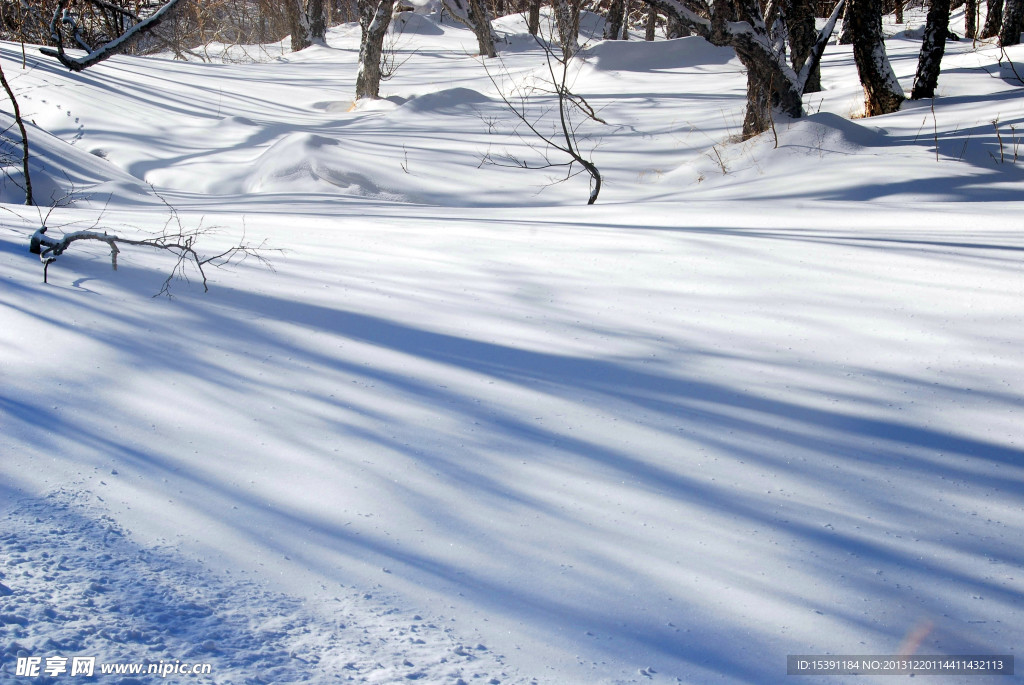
(182, 244)
(62, 15)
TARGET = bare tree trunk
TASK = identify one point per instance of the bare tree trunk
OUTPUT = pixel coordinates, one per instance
(614, 20)
(771, 80)
(846, 35)
(652, 24)
(568, 33)
(802, 35)
(932, 48)
(993, 19)
(481, 20)
(899, 11)
(316, 10)
(374, 19)
(24, 136)
(475, 15)
(676, 29)
(298, 21)
(971, 19)
(533, 19)
(1010, 32)
(882, 92)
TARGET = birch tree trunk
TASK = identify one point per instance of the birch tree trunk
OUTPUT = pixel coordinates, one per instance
(480, 18)
(374, 19)
(932, 48)
(846, 35)
(475, 15)
(568, 34)
(1010, 32)
(615, 19)
(298, 22)
(993, 19)
(882, 92)
(802, 35)
(316, 11)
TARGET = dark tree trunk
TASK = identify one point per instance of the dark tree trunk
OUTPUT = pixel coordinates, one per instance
(676, 29)
(846, 35)
(882, 92)
(298, 22)
(316, 10)
(481, 20)
(24, 137)
(652, 24)
(533, 22)
(615, 18)
(802, 35)
(766, 84)
(899, 11)
(971, 19)
(994, 18)
(932, 48)
(475, 15)
(374, 19)
(771, 81)
(1010, 32)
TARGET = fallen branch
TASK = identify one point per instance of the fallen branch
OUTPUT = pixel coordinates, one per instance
(181, 244)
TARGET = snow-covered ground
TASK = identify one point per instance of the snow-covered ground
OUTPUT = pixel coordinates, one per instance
(762, 399)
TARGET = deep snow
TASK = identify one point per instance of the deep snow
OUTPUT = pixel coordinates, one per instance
(761, 400)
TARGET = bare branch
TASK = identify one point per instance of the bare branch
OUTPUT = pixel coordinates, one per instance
(563, 136)
(181, 244)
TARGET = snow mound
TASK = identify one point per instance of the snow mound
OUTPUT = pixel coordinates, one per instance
(644, 56)
(408, 23)
(447, 101)
(829, 132)
(75, 584)
(305, 162)
(58, 168)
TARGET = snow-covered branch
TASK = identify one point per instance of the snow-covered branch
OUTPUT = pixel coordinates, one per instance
(62, 15)
(181, 244)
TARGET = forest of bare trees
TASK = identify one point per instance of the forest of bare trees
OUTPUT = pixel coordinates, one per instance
(776, 40)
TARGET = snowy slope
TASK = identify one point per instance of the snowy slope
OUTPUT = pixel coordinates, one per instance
(469, 428)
